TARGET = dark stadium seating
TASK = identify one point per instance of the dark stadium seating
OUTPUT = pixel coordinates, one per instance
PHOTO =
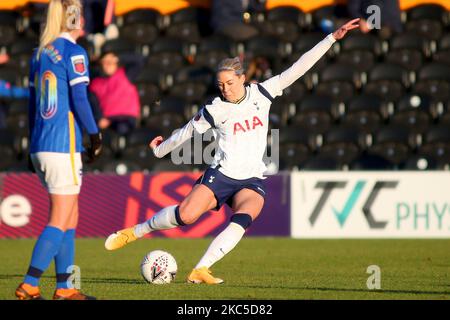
(365, 112)
(393, 143)
(371, 103)
(342, 143)
(284, 22)
(387, 80)
(314, 113)
(141, 26)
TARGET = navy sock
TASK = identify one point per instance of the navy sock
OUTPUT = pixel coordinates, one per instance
(242, 219)
(44, 250)
(64, 259)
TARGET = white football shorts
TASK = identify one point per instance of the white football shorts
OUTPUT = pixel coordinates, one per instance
(60, 173)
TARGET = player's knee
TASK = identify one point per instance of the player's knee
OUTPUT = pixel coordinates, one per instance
(183, 215)
(242, 219)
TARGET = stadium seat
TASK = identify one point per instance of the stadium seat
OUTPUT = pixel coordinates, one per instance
(168, 53)
(339, 81)
(293, 155)
(361, 60)
(429, 29)
(20, 52)
(150, 83)
(342, 143)
(118, 46)
(422, 163)
(361, 42)
(141, 26)
(189, 24)
(8, 23)
(12, 75)
(393, 143)
(434, 81)
(410, 41)
(321, 163)
(413, 111)
(9, 142)
(388, 81)
(437, 144)
(280, 111)
(443, 53)
(212, 50)
(443, 116)
(367, 161)
(17, 119)
(268, 47)
(427, 20)
(191, 83)
(283, 22)
(315, 113)
(168, 114)
(295, 91)
(365, 112)
(411, 60)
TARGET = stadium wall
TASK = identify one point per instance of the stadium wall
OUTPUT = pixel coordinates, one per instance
(110, 202)
(299, 204)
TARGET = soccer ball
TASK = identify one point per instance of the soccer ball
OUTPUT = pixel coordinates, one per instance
(159, 267)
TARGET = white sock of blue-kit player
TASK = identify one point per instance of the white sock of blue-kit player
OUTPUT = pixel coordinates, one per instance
(221, 245)
(162, 220)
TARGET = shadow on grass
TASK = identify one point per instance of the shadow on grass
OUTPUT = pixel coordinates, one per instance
(348, 290)
(141, 282)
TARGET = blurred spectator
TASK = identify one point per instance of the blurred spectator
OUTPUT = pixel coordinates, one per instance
(390, 15)
(116, 99)
(258, 70)
(228, 17)
(99, 21)
(8, 91)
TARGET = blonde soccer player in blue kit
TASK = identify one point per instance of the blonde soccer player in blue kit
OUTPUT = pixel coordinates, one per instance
(58, 111)
(240, 118)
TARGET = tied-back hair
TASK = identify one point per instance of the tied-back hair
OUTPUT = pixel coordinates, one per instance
(231, 64)
(59, 19)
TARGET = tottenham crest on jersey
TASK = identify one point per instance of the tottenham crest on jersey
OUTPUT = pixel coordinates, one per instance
(79, 64)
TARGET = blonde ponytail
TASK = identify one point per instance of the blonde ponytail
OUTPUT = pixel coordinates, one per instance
(57, 16)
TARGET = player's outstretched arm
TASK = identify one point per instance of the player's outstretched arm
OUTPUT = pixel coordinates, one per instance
(161, 148)
(308, 59)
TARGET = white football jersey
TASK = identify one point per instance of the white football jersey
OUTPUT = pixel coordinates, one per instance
(241, 129)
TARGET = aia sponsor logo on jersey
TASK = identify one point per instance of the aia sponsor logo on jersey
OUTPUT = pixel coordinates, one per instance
(247, 125)
(79, 64)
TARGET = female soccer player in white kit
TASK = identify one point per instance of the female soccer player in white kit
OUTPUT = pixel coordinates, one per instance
(235, 176)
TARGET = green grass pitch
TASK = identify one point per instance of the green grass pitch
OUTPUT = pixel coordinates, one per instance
(258, 268)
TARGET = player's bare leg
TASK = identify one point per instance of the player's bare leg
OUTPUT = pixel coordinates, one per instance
(197, 202)
(247, 204)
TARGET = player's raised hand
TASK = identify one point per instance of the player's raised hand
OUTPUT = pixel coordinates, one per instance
(156, 142)
(340, 33)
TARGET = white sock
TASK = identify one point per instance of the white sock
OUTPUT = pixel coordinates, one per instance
(221, 245)
(162, 220)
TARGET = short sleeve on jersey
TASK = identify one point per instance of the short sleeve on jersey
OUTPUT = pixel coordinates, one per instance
(78, 67)
(273, 86)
